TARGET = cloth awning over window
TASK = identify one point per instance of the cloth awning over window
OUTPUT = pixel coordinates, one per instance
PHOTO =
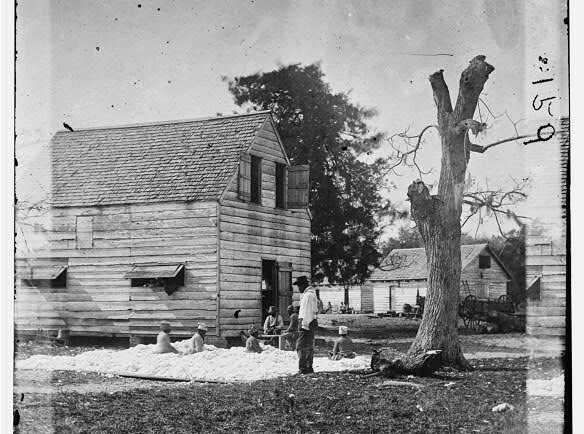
(153, 271)
(43, 272)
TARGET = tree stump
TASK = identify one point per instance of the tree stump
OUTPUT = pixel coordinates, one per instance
(385, 363)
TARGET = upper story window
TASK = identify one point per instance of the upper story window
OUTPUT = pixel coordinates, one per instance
(256, 180)
(291, 183)
(280, 186)
(484, 261)
(84, 232)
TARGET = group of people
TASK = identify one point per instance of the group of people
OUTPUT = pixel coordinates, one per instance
(194, 344)
(299, 334)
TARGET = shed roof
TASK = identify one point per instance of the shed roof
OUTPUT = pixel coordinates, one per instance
(190, 160)
(410, 264)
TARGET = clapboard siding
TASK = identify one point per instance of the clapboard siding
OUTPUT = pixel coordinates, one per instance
(335, 295)
(495, 279)
(97, 295)
(251, 232)
(547, 316)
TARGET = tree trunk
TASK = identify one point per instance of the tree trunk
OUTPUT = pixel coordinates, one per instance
(438, 217)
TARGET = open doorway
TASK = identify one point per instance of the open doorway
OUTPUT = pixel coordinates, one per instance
(269, 286)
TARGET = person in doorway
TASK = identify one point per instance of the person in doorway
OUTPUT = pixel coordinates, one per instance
(290, 335)
(163, 340)
(195, 343)
(274, 323)
(343, 348)
(308, 325)
(252, 345)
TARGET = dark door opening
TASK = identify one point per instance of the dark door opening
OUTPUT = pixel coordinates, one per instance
(269, 286)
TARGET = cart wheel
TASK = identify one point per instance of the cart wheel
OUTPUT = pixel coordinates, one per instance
(473, 323)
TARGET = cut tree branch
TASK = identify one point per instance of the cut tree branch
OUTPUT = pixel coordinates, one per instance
(482, 149)
(441, 97)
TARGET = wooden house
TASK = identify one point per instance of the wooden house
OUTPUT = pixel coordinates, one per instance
(403, 276)
(360, 297)
(201, 221)
(547, 253)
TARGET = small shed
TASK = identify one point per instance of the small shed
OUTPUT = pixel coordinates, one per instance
(360, 297)
(189, 221)
(403, 276)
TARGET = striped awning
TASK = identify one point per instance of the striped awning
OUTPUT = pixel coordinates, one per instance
(153, 271)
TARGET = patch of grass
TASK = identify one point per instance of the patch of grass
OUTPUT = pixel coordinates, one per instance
(323, 402)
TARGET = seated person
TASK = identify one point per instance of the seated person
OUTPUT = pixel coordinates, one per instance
(163, 340)
(290, 335)
(252, 345)
(274, 323)
(195, 343)
(343, 346)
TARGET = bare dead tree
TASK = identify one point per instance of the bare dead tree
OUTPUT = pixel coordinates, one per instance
(438, 216)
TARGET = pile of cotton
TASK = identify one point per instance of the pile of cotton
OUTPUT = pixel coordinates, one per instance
(214, 363)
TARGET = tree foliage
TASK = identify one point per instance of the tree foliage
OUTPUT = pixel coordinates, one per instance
(324, 129)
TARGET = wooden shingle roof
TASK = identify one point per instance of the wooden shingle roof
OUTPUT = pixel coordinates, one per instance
(173, 161)
(410, 264)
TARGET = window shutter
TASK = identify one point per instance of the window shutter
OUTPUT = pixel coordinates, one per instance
(245, 176)
(298, 186)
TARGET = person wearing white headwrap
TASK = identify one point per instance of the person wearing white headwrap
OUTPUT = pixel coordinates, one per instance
(195, 343)
(343, 348)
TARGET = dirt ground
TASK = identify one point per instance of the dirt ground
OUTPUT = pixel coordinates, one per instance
(33, 389)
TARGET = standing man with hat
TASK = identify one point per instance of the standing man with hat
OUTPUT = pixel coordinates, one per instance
(307, 323)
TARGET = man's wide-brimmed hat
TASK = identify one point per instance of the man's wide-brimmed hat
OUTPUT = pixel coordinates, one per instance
(202, 327)
(302, 280)
(272, 310)
(343, 330)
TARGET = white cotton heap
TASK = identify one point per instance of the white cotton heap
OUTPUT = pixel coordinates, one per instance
(214, 363)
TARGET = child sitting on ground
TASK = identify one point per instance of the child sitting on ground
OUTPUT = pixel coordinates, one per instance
(343, 348)
(163, 340)
(252, 345)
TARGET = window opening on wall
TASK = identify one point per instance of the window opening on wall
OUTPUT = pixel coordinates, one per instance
(484, 261)
(256, 179)
(84, 232)
(167, 277)
(51, 277)
(280, 185)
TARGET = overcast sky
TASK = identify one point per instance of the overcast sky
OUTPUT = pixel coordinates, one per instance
(100, 63)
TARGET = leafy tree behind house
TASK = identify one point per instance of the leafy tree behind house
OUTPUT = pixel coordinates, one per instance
(325, 130)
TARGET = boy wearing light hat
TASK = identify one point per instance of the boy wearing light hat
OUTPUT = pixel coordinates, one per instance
(163, 340)
(343, 347)
(252, 345)
(196, 342)
(274, 323)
